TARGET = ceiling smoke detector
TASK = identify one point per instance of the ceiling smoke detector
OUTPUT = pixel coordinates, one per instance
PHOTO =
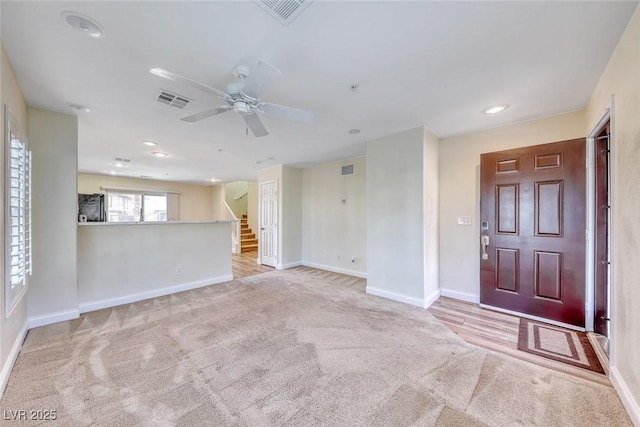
(83, 24)
(284, 11)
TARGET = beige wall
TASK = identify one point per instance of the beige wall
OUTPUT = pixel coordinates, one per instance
(621, 79)
(395, 216)
(430, 183)
(217, 197)
(232, 191)
(460, 192)
(196, 201)
(333, 233)
(11, 329)
(53, 289)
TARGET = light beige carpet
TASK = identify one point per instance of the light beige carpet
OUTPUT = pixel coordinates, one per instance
(300, 347)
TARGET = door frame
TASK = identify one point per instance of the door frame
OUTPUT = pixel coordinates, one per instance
(260, 184)
(591, 226)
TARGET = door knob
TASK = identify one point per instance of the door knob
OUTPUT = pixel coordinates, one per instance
(484, 242)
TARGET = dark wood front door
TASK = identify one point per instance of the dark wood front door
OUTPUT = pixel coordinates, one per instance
(532, 209)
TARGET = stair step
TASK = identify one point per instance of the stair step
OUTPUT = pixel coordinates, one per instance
(244, 236)
(245, 242)
(249, 248)
(244, 226)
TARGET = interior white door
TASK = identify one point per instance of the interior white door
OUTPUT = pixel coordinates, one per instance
(269, 223)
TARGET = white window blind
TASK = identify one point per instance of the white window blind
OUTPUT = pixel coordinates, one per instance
(18, 261)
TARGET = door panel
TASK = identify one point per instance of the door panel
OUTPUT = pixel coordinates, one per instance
(268, 223)
(536, 198)
(507, 208)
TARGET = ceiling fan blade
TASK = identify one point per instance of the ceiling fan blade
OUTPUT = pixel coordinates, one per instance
(261, 78)
(288, 112)
(187, 81)
(204, 114)
(255, 124)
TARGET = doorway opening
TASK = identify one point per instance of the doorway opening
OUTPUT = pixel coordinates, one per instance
(602, 234)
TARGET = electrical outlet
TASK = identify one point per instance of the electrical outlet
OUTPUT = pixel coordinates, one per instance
(178, 270)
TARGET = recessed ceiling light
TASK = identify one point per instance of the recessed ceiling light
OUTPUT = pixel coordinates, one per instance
(78, 107)
(354, 131)
(112, 172)
(495, 109)
(214, 179)
(160, 154)
(118, 165)
(149, 143)
(83, 24)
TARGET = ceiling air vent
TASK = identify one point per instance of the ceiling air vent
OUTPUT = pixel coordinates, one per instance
(121, 160)
(172, 100)
(284, 11)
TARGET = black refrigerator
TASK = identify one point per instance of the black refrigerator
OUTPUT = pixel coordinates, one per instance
(92, 206)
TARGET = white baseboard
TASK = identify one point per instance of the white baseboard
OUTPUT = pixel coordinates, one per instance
(395, 297)
(289, 265)
(431, 298)
(460, 295)
(11, 360)
(630, 404)
(48, 319)
(112, 302)
(335, 269)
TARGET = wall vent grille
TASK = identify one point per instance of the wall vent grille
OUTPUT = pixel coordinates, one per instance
(172, 100)
(347, 170)
(284, 11)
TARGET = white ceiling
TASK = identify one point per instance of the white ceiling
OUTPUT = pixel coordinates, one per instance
(437, 64)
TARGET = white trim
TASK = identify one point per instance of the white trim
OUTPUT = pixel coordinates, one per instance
(431, 298)
(613, 233)
(48, 319)
(630, 404)
(334, 269)
(11, 359)
(113, 302)
(395, 297)
(539, 319)
(289, 265)
(138, 190)
(463, 296)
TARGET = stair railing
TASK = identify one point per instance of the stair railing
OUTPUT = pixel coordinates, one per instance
(228, 215)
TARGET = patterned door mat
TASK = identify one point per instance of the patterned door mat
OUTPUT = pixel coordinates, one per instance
(556, 343)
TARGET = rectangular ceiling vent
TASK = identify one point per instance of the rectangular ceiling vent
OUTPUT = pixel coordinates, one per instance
(121, 160)
(284, 11)
(347, 170)
(172, 100)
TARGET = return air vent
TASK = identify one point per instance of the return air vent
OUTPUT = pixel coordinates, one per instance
(284, 11)
(121, 160)
(172, 100)
(347, 170)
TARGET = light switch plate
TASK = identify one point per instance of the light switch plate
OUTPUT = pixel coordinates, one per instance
(464, 220)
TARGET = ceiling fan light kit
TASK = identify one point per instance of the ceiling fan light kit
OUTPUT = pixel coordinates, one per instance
(243, 97)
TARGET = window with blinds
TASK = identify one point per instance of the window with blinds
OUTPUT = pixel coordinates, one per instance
(18, 217)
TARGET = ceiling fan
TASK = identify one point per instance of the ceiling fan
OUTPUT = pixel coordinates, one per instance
(243, 96)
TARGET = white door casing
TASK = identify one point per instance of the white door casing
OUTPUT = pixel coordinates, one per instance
(269, 223)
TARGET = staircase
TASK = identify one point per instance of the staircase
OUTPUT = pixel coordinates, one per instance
(248, 241)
